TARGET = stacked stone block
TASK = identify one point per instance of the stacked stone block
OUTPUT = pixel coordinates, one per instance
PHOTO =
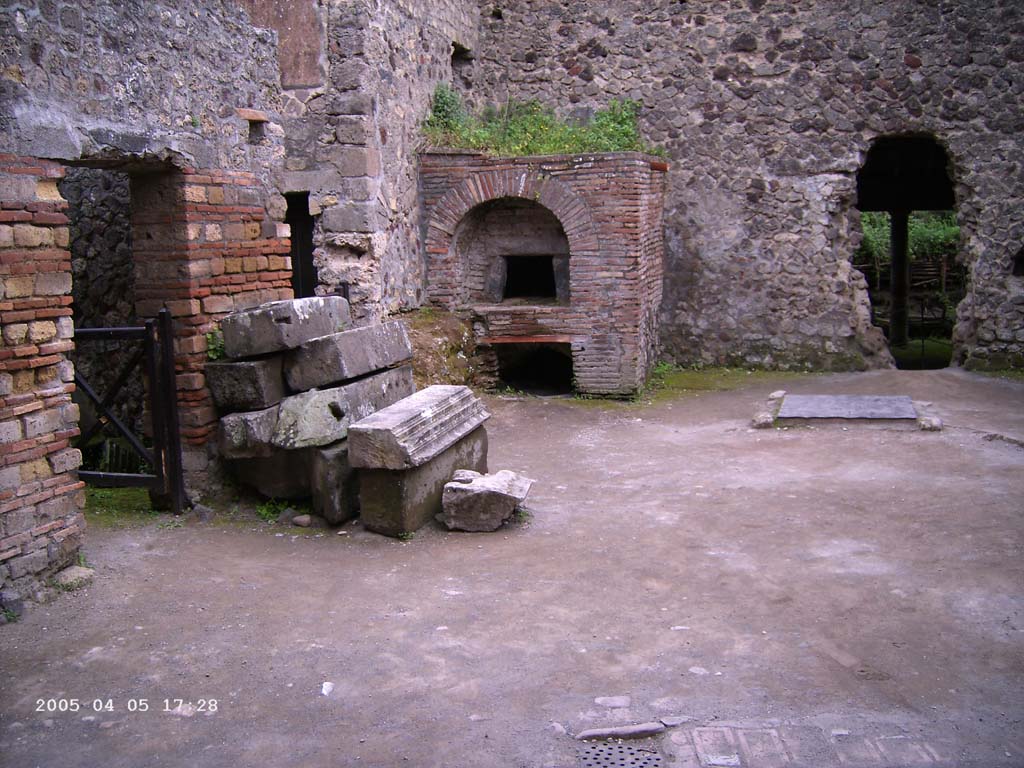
(40, 495)
(298, 376)
(610, 208)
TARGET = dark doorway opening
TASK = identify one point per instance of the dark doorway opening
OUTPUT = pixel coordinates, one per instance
(536, 368)
(529, 277)
(304, 277)
(910, 247)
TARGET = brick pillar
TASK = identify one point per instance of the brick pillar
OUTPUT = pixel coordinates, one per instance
(41, 498)
(203, 246)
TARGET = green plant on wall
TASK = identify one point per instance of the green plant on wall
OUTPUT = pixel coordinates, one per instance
(531, 128)
(214, 344)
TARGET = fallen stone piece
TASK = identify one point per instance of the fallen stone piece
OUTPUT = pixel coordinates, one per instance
(245, 385)
(335, 484)
(203, 513)
(347, 355)
(248, 435)
(930, 423)
(282, 475)
(638, 731)
(399, 501)
(672, 721)
(415, 430)
(763, 420)
(323, 416)
(73, 577)
(475, 502)
(283, 325)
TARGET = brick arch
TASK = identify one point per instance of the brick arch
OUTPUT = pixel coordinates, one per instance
(569, 208)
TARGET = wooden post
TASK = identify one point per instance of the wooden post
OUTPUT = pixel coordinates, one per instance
(900, 277)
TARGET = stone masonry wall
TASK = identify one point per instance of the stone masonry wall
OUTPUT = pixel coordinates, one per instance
(185, 99)
(609, 207)
(351, 143)
(767, 109)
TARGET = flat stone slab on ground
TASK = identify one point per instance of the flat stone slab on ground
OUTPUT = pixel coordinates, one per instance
(414, 430)
(476, 502)
(283, 325)
(347, 355)
(847, 407)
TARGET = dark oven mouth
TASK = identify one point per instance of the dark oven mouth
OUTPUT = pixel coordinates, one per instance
(534, 279)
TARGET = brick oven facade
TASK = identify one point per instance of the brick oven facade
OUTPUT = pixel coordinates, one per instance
(597, 217)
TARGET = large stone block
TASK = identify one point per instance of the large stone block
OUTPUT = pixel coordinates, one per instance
(248, 435)
(281, 475)
(395, 502)
(245, 385)
(283, 325)
(347, 355)
(475, 502)
(415, 430)
(334, 484)
(322, 417)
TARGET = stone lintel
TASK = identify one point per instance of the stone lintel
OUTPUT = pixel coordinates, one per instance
(347, 355)
(281, 325)
(413, 431)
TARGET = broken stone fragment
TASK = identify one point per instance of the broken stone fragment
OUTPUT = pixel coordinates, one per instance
(73, 577)
(245, 385)
(475, 502)
(283, 325)
(347, 355)
(414, 430)
(930, 423)
(323, 416)
(248, 435)
(763, 420)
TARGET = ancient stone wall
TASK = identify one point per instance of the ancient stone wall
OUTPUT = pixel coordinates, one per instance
(183, 98)
(767, 109)
(352, 142)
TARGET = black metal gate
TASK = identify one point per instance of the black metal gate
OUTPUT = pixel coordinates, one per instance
(156, 356)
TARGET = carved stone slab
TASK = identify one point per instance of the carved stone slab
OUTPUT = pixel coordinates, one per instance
(283, 325)
(414, 430)
(323, 416)
(347, 355)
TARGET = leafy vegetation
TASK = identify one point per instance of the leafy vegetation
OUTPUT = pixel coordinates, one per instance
(530, 128)
(271, 509)
(214, 344)
(930, 234)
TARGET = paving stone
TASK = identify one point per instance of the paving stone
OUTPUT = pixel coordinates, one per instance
(413, 431)
(847, 407)
(283, 325)
(335, 484)
(398, 501)
(347, 355)
(245, 385)
(637, 731)
(323, 416)
(475, 502)
(248, 435)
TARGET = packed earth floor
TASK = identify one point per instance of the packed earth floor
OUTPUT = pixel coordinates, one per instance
(810, 596)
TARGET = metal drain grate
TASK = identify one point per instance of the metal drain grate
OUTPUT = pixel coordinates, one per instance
(612, 754)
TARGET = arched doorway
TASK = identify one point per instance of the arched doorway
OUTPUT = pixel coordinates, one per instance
(911, 239)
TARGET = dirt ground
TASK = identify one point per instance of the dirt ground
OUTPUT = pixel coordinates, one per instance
(797, 597)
